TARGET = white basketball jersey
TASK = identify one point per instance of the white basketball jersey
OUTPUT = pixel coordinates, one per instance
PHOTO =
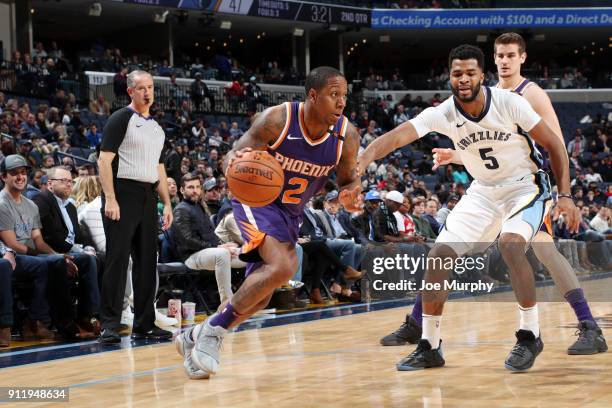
(494, 147)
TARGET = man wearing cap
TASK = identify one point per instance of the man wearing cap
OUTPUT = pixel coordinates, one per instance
(385, 223)
(194, 242)
(25, 148)
(365, 221)
(20, 233)
(211, 200)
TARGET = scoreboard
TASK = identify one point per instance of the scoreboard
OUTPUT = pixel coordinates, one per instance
(278, 9)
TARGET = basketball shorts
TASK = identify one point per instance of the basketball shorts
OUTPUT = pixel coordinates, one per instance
(486, 211)
(547, 224)
(257, 222)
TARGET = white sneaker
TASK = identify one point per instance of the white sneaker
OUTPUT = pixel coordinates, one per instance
(162, 320)
(127, 317)
(205, 354)
(184, 346)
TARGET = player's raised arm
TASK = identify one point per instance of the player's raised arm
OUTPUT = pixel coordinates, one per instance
(348, 178)
(402, 135)
(265, 129)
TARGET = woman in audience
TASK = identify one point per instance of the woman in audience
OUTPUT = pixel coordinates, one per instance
(86, 189)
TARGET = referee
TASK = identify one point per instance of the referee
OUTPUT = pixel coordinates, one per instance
(131, 169)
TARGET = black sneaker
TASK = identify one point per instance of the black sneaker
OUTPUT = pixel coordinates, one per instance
(590, 339)
(154, 334)
(523, 354)
(109, 336)
(423, 357)
(408, 332)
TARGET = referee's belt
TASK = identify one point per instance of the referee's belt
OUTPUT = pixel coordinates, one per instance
(144, 184)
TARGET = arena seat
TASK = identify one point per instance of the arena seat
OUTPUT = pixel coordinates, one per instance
(172, 272)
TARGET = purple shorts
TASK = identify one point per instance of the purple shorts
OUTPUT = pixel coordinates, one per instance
(257, 222)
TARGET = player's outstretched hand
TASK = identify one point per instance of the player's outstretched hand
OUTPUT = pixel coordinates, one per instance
(350, 199)
(441, 157)
(572, 213)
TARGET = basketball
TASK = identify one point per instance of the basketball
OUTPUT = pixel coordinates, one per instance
(255, 179)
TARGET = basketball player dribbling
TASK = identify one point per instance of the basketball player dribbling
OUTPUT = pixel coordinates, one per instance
(507, 198)
(510, 54)
(310, 140)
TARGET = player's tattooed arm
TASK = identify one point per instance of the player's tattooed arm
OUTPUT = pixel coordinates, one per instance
(266, 128)
(348, 178)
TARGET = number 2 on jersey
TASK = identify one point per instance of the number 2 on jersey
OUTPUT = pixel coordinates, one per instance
(494, 164)
(292, 196)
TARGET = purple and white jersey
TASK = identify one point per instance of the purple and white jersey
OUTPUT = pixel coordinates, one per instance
(306, 163)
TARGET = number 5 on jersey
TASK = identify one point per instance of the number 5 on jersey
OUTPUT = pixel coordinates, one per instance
(292, 196)
(493, 163)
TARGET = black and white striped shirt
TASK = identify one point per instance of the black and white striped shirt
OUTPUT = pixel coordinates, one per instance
(138, 143)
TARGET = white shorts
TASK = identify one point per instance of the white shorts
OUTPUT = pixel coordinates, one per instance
(485, 212)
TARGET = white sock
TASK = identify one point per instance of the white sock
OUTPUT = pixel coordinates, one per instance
(431, 330)
(529, 320)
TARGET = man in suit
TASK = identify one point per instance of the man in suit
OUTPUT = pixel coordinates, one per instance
(61, 231)
(339, 221)
(431, 212)
(317, 228)
(365, 222)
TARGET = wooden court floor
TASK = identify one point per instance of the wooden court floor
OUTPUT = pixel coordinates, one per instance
(337, 362)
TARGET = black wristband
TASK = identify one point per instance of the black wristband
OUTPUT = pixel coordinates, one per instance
(566, 195)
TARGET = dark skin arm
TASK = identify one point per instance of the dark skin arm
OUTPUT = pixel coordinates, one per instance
(346, 171)
(266, 128)
(401, 136)
(559, 163)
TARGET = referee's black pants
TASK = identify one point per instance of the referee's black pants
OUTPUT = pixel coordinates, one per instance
(135, 234)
